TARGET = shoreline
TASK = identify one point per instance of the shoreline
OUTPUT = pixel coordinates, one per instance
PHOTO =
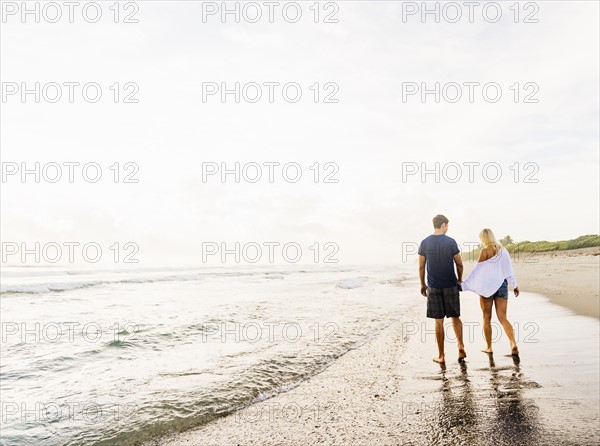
(389, 392)
(317, 402)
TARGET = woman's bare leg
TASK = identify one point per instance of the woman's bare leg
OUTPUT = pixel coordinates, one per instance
(501, 306)
(486, 308)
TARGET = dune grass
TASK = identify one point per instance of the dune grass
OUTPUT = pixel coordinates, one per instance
(584, 241)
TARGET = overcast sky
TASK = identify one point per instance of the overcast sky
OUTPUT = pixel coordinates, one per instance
(368, 134)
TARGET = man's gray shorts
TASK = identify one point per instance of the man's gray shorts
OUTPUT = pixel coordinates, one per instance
(443, 302)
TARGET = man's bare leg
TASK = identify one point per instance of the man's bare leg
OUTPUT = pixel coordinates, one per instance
(486, 308)
(439, 336)
(458, 331)
(501, 306)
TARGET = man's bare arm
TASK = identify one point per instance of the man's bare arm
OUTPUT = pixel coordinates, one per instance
(459, 266)
(422, 261)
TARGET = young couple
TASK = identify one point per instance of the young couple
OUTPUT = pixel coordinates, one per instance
(438, 254)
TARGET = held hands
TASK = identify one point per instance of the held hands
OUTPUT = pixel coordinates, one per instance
(516, 291)
(423, 290)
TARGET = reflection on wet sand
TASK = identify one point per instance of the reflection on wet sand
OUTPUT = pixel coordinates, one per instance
(516, 419)
(457, 417)
(465, 413)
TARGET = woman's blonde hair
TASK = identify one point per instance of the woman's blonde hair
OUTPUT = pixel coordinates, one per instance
(488, 239)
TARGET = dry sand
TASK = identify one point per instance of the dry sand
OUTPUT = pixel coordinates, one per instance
(568, 278)
(389, 392)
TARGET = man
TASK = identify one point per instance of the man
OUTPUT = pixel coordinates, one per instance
(439, 253)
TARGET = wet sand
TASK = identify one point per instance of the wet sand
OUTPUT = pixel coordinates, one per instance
(389, 392)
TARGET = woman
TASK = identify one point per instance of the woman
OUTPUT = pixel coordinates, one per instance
(490, 279)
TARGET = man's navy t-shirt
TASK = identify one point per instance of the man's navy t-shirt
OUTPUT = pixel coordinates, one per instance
(439, 251)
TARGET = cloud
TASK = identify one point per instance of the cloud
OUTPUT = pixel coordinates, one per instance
(368, 134)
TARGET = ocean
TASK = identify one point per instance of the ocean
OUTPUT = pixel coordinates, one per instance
(104, 357)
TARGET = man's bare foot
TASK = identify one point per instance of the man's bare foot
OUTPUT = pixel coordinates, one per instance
(515, 351)
(462, 354)
(440, 360)
(488, 350)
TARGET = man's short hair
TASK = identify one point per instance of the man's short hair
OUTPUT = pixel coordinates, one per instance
(439, 220)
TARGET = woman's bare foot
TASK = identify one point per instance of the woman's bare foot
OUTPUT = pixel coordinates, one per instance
(462, 354)
(515, 351)
(440, 360)
(488, 350)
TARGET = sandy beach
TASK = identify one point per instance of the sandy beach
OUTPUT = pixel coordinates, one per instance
(389, 392)
(568, 278)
